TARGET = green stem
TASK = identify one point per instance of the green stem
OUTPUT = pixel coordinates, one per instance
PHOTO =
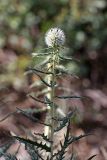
(52, 99)
(52, 111)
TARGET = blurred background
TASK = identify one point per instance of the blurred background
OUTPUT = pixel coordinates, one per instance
(23, 24)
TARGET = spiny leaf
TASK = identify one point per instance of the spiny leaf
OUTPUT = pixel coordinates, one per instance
(60, 154)
(44, 137)
(32, 118)
(40, 71)
(36, 99)
(73, 139)
(33, 153)
(43, 63)
(40, 54)
(92, 157)
(27, 115)
(65, 58)
(64, 121)
(51, 104)
(68, 97)
(42, 92)
(8, 115)
(49, 85)
(38, 145)
(61, 70)
(10, 157)
(34, 110)
(62, 125)
(4, 149)
(68, 58)
(68, 116)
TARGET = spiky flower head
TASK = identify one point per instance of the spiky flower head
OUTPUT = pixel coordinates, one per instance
(55, 37)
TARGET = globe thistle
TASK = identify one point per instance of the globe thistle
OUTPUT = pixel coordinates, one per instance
(55, 37)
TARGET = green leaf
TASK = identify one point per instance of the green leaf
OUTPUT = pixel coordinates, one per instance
(61, 153)
(68, 97)
(10, 157)
(62, 70)
(33, 152)
(68, 58)
(64, 121)
(38, 145)
(40, 54)
(48, 85)
(36, 99)
(51, 104)
(4, 149)
(34, 119)
(44, 137)
(40, 71)
(73, 139)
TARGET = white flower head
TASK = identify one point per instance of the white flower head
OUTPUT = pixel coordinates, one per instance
(55, 37)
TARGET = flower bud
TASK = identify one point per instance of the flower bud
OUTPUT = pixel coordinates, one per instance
(55, 37)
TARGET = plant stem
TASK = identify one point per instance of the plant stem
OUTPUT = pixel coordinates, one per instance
(52, 99)
(52, 79)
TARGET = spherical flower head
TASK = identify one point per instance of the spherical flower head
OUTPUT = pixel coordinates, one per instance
(55, 37)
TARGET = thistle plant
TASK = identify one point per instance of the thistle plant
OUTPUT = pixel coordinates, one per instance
(52, 69)
(55, 39)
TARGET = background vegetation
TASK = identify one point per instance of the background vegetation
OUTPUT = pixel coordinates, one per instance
(23, 24)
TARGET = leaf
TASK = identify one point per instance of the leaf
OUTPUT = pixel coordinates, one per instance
(43, 63)
(8, 115)
(51, 104)
(5, 138)
(60, 154)
(62, 70)
(73, 139)
(38, 145)
(44, 137)
(48, 85)
(36, 99)
(40, 54)
(68, 58)
(33, 153)
(32, 118)
(4, 149)
(10, 157)
(64, 121)
(68, 97)
(40, 71)
(92, 157)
